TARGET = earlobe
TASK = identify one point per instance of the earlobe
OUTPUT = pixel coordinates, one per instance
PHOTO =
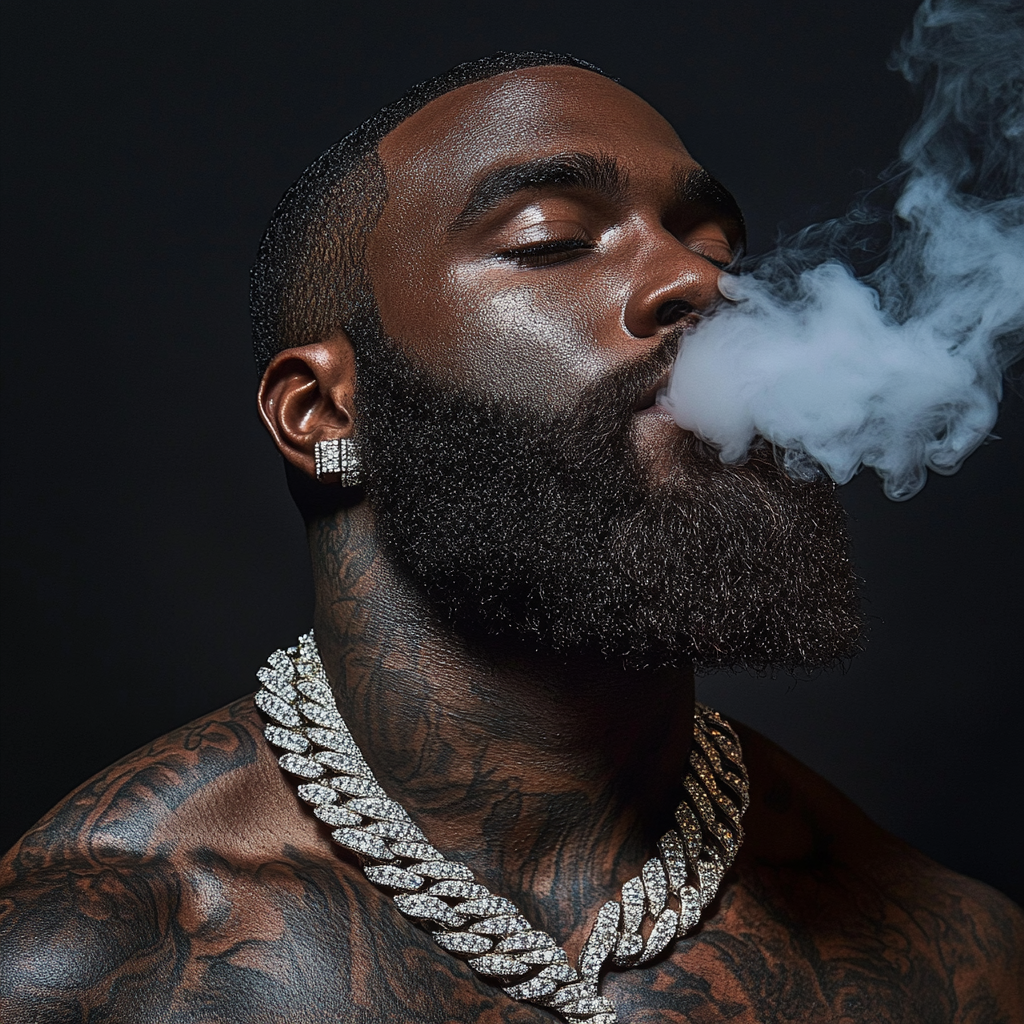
(307, 395)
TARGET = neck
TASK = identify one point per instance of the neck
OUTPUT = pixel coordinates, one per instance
(552, 781)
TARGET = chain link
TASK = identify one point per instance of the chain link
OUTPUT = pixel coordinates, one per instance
(663, 902)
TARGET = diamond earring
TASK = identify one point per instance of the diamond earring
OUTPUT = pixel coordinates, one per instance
(337, 462)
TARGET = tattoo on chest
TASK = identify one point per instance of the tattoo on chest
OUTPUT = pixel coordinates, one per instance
(103, 919)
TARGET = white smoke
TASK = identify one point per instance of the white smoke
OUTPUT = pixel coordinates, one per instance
(900, 369)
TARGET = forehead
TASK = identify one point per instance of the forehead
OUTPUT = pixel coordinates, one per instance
(433, 157)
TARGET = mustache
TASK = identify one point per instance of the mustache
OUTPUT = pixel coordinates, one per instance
(611, 400)
(604, 415)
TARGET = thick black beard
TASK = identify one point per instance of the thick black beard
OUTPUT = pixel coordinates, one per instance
(530, 527)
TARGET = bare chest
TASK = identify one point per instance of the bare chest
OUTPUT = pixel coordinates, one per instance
(305, 940)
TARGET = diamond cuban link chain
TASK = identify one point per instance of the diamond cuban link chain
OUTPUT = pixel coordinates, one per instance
(663, 902)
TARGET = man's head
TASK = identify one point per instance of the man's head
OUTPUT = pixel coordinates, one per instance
(533, 245)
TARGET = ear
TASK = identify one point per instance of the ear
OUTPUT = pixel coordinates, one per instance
(307, 395)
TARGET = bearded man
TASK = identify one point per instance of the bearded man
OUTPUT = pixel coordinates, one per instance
(499, 799)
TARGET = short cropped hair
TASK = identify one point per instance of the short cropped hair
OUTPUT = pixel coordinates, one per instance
(310, 277)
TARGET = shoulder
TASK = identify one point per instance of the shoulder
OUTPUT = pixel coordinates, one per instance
(188, 883)
(109, 900)
(129, 808)
(871, 910)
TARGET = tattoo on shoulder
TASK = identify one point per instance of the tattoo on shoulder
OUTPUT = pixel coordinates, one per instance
(119, 811)
(102, 918)
(285, 940)
(802, 948)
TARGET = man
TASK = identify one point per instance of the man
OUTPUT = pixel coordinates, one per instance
(480, 293)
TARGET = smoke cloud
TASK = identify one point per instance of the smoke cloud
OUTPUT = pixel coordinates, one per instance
(899, 368)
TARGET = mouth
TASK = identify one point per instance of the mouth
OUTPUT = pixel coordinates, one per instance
(648, 400)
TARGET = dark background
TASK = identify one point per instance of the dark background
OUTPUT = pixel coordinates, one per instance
(151, 556)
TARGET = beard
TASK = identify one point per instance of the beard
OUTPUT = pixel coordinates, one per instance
(544, 530)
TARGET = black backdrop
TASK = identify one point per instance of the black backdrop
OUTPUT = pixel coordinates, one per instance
(152, 558)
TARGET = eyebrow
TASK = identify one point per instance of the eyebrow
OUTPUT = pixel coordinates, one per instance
(693, 187)
(601, 175)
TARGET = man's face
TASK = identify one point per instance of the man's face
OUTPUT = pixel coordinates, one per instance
(545, 243)
(535, 293)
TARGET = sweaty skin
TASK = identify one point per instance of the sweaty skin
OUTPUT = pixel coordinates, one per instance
(187, 883)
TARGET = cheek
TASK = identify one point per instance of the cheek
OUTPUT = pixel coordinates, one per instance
(518, 340)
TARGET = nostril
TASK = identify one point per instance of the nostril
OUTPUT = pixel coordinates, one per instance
(672, 311)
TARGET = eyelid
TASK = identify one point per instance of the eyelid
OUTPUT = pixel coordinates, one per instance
(557, 237)
(578, 237)
(533, 254)
(720, 264)
(700, 246)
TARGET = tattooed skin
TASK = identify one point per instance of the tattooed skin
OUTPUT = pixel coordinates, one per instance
(188, 884)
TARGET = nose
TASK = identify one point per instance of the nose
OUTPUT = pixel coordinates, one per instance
(672, 311)
(673, 282)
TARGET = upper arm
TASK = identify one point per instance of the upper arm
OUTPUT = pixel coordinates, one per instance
(91, 898)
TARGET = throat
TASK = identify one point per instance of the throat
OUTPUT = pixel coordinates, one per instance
(553, 785)
(551, 779)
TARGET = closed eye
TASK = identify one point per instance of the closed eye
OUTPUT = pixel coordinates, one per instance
(720, 264)
(542, 254)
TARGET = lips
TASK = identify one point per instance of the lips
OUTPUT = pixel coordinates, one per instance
(649, 399)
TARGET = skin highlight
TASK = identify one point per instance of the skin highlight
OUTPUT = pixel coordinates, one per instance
(188, 883)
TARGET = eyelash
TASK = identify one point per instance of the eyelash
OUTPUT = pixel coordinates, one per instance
(720, 264)
(698, 249)
(558, 250)
(543, 254)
